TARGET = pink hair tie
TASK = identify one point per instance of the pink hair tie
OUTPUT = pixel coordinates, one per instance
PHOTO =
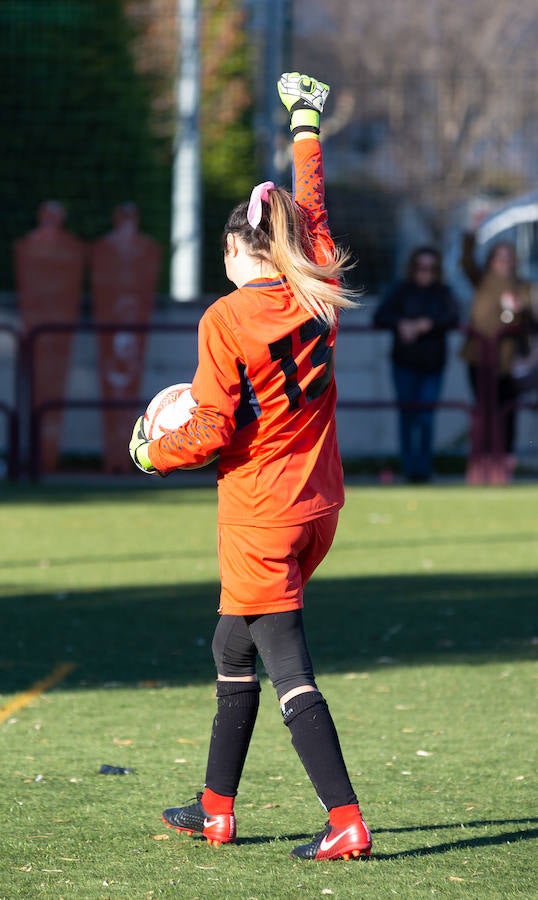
(259, 193)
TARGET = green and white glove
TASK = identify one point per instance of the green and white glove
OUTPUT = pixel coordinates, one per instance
(138, 448)
(304, 98)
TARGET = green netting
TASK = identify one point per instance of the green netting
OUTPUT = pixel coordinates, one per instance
(76, 121)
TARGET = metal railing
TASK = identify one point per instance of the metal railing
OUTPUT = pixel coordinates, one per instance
(26, 420)
(38, 411)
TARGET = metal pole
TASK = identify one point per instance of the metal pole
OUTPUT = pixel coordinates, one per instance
(271, 35)
(186, 182)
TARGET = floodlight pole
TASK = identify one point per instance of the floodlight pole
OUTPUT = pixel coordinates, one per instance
(271, 24)
(186, 180)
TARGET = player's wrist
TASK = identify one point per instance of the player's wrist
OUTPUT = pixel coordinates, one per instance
(304, 121)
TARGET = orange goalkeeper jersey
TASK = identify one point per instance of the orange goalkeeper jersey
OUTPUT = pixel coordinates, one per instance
(266, 392)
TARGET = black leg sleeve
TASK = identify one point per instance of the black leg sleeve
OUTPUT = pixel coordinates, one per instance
(237, 708)
(315, 739)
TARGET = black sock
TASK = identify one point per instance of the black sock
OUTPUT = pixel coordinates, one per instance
(237, 708)
(315, 739)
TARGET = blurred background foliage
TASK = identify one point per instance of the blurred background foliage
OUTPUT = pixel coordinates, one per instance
(88, 116)
(77, 120)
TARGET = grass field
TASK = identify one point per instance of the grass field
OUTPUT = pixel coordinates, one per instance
(421, 627)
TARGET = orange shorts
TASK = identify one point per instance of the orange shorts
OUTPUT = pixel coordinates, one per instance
(264, 569)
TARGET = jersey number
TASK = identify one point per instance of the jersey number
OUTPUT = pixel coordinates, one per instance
(321, 355)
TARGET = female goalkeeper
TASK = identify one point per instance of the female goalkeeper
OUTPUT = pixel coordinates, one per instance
(266, 398)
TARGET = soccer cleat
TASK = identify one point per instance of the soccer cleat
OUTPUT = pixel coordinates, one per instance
(337, 843)
(302, 92)
(217, 830)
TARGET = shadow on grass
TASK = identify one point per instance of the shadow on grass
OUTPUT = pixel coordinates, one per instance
(140, 635)
(180, 487)
(476, 823)
(508, 837)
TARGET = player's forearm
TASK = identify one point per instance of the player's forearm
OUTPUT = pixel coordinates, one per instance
(309, 193)
(191, 445)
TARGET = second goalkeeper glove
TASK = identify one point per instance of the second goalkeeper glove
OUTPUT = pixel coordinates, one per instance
(138, 448)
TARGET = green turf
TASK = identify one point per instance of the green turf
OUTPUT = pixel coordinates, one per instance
(421, 624)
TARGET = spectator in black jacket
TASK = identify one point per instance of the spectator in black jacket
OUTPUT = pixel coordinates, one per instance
(419, 310)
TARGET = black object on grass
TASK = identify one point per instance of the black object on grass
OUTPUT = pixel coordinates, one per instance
(114, 770)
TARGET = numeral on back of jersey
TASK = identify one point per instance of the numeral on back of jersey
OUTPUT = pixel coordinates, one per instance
(321, 355)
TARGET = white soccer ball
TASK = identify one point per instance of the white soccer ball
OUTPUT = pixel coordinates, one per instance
(170, 408)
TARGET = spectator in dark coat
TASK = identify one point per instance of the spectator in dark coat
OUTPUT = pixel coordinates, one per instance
(419, 311)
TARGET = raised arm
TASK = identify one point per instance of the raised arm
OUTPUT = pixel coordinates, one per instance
(304, 98)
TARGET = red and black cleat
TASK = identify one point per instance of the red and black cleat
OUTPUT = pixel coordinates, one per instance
(193, 819)
(337, 843)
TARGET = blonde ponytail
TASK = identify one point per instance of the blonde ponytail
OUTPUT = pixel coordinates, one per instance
(316, 286)
(282, 239)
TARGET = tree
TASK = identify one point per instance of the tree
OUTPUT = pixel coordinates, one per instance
(444, 92)
(77, 116)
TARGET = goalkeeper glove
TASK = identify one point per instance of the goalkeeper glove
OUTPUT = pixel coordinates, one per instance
(304, 98)
(138, 448)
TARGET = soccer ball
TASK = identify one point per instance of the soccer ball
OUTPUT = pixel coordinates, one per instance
(170, 408)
